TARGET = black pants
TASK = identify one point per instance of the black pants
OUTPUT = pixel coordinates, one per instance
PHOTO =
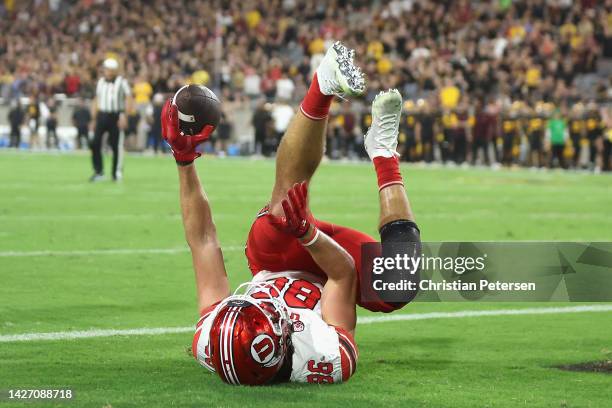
(577, 147)
(481, 144)
(106, 122)
(507, 147)
(557, 153)
(15, 138)
(158, 141)
(260, 138)
(607, 153)
(52, 140)
(428, 149)
(408, 149)
(593, 149)
(460, 148)
(82, 133)
(446, 145)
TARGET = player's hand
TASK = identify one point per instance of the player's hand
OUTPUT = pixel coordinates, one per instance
(183, 147)
(298, 221)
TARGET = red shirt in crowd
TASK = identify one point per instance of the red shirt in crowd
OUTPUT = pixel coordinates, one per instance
(72, 84)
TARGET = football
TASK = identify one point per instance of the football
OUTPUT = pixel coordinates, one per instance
(198, 106)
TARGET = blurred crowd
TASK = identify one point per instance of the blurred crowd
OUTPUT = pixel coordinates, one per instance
(489, 133)
(485, 81)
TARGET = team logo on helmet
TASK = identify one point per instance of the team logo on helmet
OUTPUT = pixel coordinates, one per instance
(262, 350)
(249, 337)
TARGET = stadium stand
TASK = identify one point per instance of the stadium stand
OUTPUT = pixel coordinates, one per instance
(481, 79)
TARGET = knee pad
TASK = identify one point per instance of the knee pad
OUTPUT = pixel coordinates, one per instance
(401, 237)
(396, 233)
(400, 231)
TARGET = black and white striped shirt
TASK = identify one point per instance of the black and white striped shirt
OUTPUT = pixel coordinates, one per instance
(111, 94)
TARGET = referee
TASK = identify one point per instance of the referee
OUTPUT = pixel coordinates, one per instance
(108, 112)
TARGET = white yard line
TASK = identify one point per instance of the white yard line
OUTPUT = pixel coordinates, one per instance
(85, 217)
(102, 217)
(116, 251)
(178, 250)
(481, 313)
(84, 334)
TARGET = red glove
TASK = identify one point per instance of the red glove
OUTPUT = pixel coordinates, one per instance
(298, 221)
(183, 147)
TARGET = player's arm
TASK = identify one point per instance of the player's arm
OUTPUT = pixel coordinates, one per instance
(339, 293)
(211, 279)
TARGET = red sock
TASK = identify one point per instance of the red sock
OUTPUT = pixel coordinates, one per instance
(315, 104)
(387, 171)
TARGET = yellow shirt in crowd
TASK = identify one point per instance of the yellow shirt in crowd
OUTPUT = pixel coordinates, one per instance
(450, 120)
(567, 30)
(142, 92)
(532, 77)
(253, 18)
(200, 77)
(517, 32)
(384, 66)
(449, 96)
(375, 49)
(316, 46)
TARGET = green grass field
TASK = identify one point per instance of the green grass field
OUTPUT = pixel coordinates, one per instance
(79, 256)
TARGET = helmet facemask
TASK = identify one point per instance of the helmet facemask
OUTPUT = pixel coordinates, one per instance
(267, 303)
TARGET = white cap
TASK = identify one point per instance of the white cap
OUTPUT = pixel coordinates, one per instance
(158, 98)
(110, 63)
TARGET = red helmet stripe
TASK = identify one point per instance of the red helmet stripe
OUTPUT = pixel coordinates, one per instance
(226, 357)
(221, 368)
(226, 345)
(194, 344)
(346, 363)
(222, 348)
(347, 345)
(232, 324)
(349, 342)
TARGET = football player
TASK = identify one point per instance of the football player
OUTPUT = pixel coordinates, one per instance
(295, 321)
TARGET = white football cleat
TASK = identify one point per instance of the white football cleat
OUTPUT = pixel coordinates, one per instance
(337, 73)
(381, 138)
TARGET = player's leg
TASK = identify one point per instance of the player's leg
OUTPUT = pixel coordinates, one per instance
(396, 223)
(113, 141)
(596, 152)
(96, 148)
(381, 144)
(266, 251)
(34, 135)
(303, 144)
(396, 220)
(299, 154)
(15, 136)
(607, 152)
